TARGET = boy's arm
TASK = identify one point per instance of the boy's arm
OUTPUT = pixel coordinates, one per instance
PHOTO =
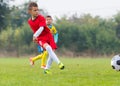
(41, 28)
(37, 33)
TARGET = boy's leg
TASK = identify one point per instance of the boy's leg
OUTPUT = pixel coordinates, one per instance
(37, 57)
(32, 60)
(43, 60)
(52, 56)
(49, 63)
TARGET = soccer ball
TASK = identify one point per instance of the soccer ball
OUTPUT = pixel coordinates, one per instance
(115, 62)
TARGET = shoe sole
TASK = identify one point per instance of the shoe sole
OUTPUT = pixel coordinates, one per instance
(62, 67)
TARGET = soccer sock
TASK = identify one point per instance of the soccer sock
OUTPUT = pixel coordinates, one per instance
(44, 56)
(52, 54)
(37, 57)
(49, 62)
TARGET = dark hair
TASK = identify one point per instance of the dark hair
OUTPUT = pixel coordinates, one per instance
(48, 16)
(32, 4)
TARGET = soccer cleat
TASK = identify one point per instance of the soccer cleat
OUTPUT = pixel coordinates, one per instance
(43, 66)
(46, 71)
(61, 66)
(31, 62)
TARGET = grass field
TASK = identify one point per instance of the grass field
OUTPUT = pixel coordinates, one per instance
(78, 72)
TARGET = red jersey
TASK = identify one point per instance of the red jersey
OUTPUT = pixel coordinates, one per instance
(45, 36)
(37, 23)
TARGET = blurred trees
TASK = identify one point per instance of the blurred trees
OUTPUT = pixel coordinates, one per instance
(4, 13)
(87, 34)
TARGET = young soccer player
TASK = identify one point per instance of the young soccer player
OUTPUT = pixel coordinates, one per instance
(52, 28)
(44, 53)
(42, 36)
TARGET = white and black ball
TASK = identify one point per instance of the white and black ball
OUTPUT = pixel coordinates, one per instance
(115, 62)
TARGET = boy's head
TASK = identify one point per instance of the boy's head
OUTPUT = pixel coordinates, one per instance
(33, 9)
(49, 20)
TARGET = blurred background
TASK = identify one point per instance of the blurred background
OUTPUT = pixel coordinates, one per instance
(86, 28)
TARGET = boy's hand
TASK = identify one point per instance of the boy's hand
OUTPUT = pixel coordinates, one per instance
(34, 39)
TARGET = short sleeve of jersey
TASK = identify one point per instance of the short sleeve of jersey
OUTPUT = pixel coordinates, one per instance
(42, 21)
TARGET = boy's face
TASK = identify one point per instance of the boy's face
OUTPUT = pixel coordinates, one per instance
(34, 11)
(48, 20)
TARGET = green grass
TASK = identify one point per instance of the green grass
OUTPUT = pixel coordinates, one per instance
(78, 72)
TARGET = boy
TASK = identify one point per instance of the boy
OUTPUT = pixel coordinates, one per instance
(52, 28)
(44, 54)
(42, 35)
